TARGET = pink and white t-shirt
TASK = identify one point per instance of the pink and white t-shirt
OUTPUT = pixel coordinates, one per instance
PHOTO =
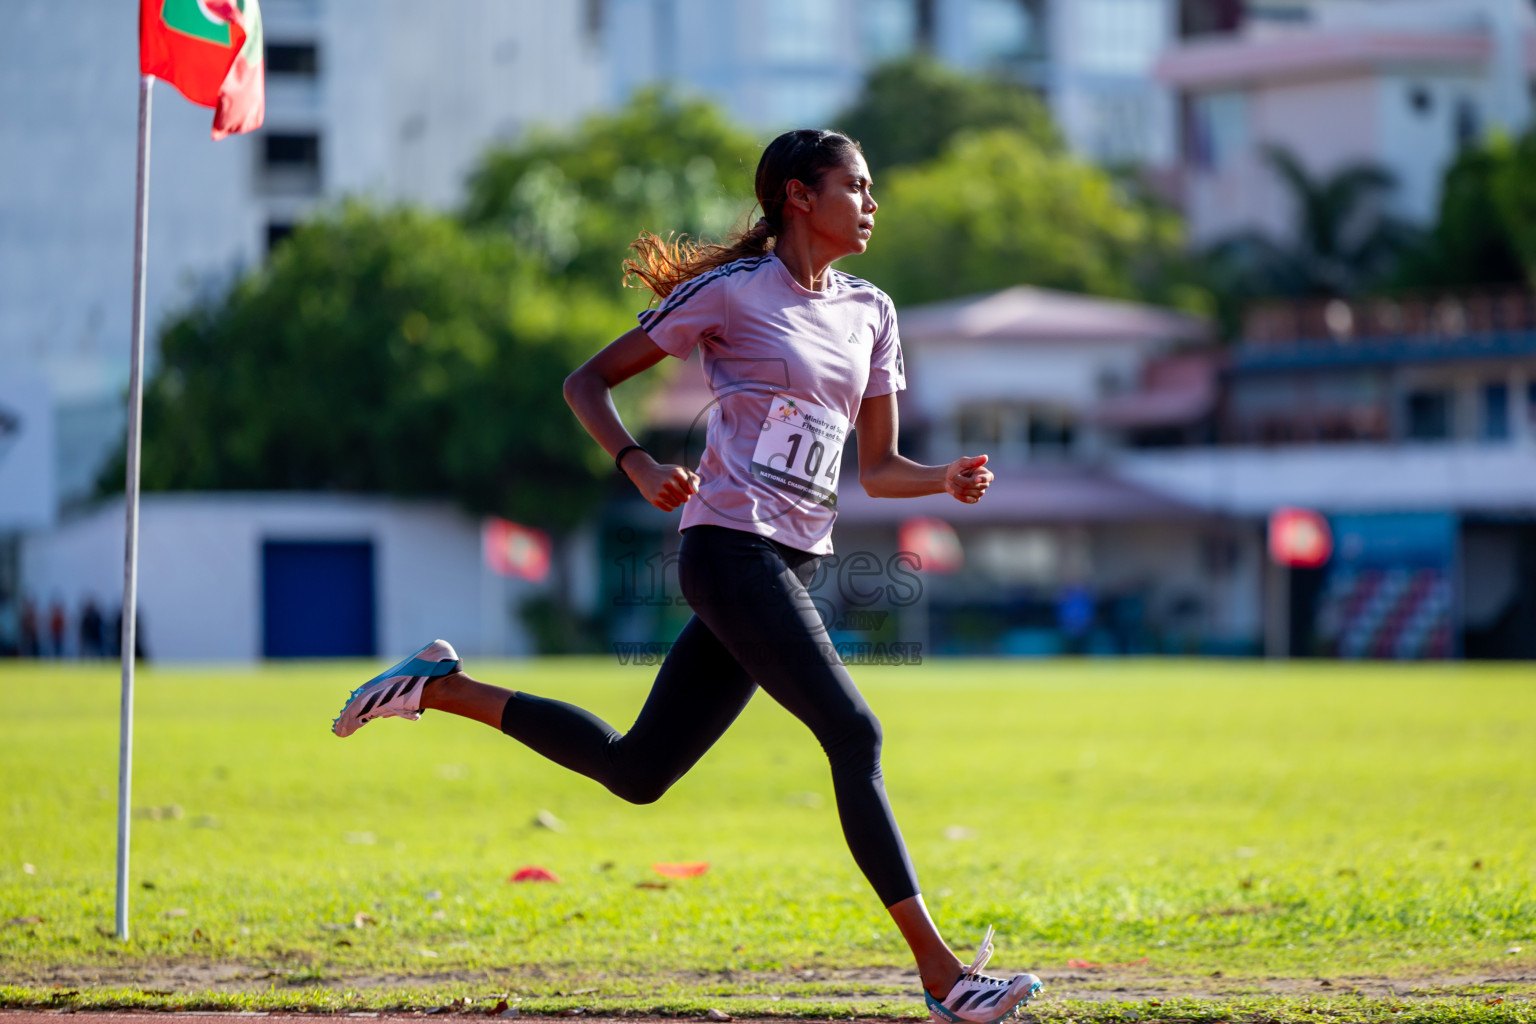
(788, 368)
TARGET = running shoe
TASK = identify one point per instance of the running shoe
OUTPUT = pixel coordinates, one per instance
(978, 999)
(396, 693)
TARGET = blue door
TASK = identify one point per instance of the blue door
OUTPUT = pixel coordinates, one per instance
(317, 599)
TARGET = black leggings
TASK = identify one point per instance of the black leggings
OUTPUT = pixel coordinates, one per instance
(753, 625)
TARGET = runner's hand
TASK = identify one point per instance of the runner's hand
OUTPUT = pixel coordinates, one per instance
(967, 478)
(662, 484)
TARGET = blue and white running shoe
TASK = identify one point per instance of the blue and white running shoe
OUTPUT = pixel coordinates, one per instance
(396, 693)
(978, 999)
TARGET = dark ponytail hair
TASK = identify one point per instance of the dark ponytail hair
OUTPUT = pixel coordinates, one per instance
(802, 155)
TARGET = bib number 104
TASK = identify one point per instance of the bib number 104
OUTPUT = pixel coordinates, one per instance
(815, 456)
(800, 450)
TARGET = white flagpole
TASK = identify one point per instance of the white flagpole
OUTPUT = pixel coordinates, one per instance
(131, 535)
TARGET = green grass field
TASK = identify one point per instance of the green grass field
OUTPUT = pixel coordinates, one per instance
(1266, 822)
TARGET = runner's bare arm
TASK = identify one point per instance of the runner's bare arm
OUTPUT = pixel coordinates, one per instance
(588, 393)
(885, 473)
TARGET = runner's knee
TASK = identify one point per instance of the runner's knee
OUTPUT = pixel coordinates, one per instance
(855, 742)
(639, 788)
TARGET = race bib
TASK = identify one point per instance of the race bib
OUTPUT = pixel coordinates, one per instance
(800, 449)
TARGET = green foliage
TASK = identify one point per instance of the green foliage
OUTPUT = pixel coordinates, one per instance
(577, 199)
(1472, 242)
(1343, 245)
(383, 351)
(1514, 194)
(997, 210)
(911, 110)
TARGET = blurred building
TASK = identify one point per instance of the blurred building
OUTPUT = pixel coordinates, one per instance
(1412, 424)
(1402, 84)
(794, 63)
(387, 99)
(237, 577)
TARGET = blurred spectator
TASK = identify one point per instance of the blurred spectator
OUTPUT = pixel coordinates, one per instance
(10, 629)
(57, 621)
(92, 642)
(31, 643)
(1075, 609)
(140, 652)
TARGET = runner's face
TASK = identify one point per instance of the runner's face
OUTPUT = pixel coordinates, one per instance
(843, 214)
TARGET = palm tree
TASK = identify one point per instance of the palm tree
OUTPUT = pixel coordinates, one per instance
(1343, 243)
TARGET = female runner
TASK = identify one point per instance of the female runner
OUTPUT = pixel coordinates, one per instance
(795, 352)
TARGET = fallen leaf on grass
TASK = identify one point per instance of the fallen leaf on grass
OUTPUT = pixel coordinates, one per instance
(713, 1014)
(500, 1007)
(27, 919)
(653, 885)
(29, 869)
(574, 1011)
(343, 942)
(686, 869)
(427, 952)
(1512, 950)
(1495, 1001)
(533, 873)
(546, 819)
(362, 919)
(175, 912)
(956, 833)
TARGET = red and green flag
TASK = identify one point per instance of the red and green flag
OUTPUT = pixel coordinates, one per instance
(211, 51)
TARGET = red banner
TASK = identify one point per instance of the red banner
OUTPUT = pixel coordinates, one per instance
(1299, 538)
(513, 550)
(934, 542)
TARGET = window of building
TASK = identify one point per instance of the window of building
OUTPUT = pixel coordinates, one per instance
(277, 232)
(1494, 425)
(1050, 433)
(1006, 31)
(801, 31)
(290, 162)
(1468, 123)
(1120, 36)
(1218, 130)
(594, 14)
(299, 59)
(890, 28)
(981, 427)
(1420, 100)
(1429, 415)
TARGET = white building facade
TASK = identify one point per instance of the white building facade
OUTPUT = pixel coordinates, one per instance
(796, 63)
(1402, 84)
(387, 99)
(238, 577)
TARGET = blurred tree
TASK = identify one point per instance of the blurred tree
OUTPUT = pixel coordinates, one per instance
(911, 108)
(1343, 244)
(998, 209)
(1471, 242)
(383, 351)
(1514, 196)
(576, 200)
